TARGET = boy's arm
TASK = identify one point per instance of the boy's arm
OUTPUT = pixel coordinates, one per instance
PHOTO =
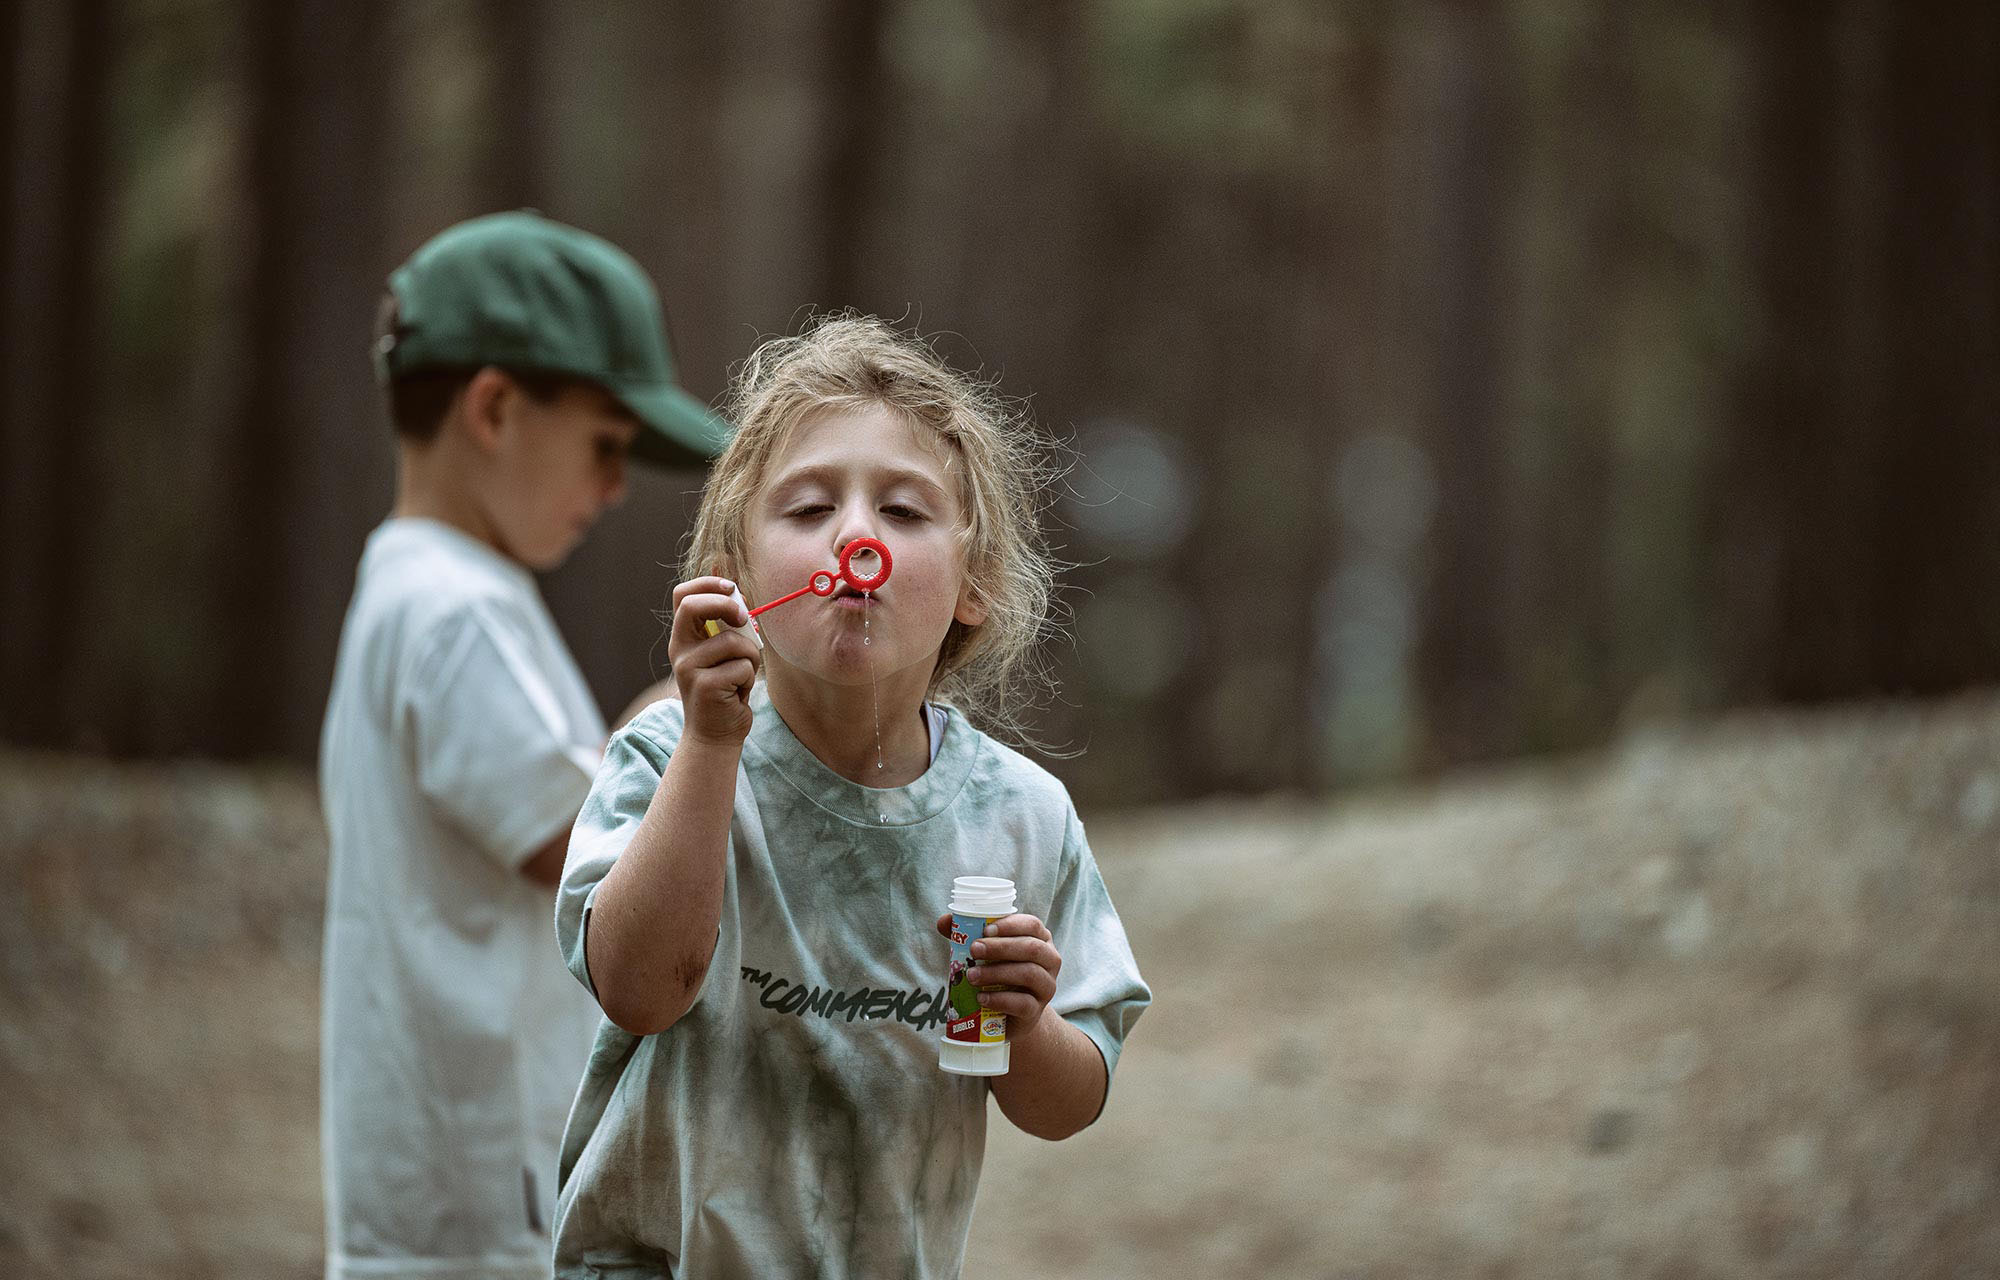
(647, 697)
(545, 865)
(652, 926)
(467, 690)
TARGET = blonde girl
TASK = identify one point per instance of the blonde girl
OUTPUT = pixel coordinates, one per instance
(753, 888)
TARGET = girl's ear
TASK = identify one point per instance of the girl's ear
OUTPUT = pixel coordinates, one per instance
(971, 610)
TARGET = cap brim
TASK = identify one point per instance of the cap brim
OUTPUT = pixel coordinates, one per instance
(682, 432)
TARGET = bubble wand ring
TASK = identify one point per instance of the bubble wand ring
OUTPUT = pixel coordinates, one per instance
(825, 582)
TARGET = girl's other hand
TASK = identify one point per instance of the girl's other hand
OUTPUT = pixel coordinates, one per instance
(1019, 953)
(715, 672)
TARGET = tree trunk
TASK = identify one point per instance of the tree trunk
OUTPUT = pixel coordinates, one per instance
(1462, 188)
(1343, 398)
(514, 171)
(52, 490)
(1935, 574)
(312, 457)
(1792, 535)
(855, 83)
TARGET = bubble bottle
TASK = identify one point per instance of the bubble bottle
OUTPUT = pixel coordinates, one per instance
(975, 1039)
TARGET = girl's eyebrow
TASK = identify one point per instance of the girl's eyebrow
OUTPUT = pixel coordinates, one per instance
(831, 476)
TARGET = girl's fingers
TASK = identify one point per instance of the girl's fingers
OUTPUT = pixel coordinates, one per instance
(1018, 925)
(693, 614)
(1028, 950)
(717, 586)
(711, 651)
(699, 601)
(1015, 1004)
(1031, 978)
(731, 678)
(737, 674)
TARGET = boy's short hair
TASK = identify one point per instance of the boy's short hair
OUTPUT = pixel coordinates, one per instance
(850, 361)
(420, 398)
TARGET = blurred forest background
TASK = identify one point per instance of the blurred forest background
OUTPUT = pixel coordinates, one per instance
(1447, 381)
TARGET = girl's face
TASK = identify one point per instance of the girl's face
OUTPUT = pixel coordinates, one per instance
(849, 474)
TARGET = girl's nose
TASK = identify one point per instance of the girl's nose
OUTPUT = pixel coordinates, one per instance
(857, 520)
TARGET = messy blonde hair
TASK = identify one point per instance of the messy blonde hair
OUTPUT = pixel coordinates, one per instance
(991, 672)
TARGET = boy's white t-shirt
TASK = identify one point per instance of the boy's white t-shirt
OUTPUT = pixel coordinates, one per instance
(459, 740)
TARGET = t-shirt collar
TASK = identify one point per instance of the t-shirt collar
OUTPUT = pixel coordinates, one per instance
(420, 530)
(772, 742)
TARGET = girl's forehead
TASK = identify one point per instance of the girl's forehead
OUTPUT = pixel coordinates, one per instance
(872, 437)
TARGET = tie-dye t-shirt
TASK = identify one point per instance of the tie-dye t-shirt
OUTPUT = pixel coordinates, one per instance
(795, 1121)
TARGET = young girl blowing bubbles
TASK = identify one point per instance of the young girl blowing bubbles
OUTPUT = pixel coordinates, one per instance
(753, 886)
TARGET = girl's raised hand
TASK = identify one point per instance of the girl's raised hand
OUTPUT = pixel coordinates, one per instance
(715, 672)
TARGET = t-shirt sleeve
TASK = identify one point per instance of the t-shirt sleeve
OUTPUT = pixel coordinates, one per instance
(1099, 991)
(634, 763)
(490, 745)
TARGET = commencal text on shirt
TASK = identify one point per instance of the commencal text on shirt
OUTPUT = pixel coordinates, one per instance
(921, 1009)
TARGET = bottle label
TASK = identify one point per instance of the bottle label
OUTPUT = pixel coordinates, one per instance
(970, 1024)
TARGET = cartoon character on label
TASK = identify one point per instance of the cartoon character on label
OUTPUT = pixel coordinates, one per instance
(964, 996)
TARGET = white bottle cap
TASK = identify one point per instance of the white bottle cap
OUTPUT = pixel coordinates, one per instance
(963, 1058)
(982, 896)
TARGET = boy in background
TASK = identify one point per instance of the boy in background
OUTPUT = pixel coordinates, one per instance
(524, 360)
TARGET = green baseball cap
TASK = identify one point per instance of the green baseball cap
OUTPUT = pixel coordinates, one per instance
(529, 293)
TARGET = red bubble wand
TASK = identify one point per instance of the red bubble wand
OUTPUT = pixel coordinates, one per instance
(871, 571)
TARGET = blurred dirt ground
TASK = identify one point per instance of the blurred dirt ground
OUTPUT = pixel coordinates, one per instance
(1723, 1003)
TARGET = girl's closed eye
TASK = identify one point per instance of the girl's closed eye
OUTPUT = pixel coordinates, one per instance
(901, 512)
(809, 509)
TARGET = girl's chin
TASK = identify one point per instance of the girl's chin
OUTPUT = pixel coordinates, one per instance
(845, 670)
(840, 662)
(844, 664)
(838, 688)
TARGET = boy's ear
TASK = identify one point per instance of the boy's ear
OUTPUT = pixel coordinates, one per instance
(483, 406)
